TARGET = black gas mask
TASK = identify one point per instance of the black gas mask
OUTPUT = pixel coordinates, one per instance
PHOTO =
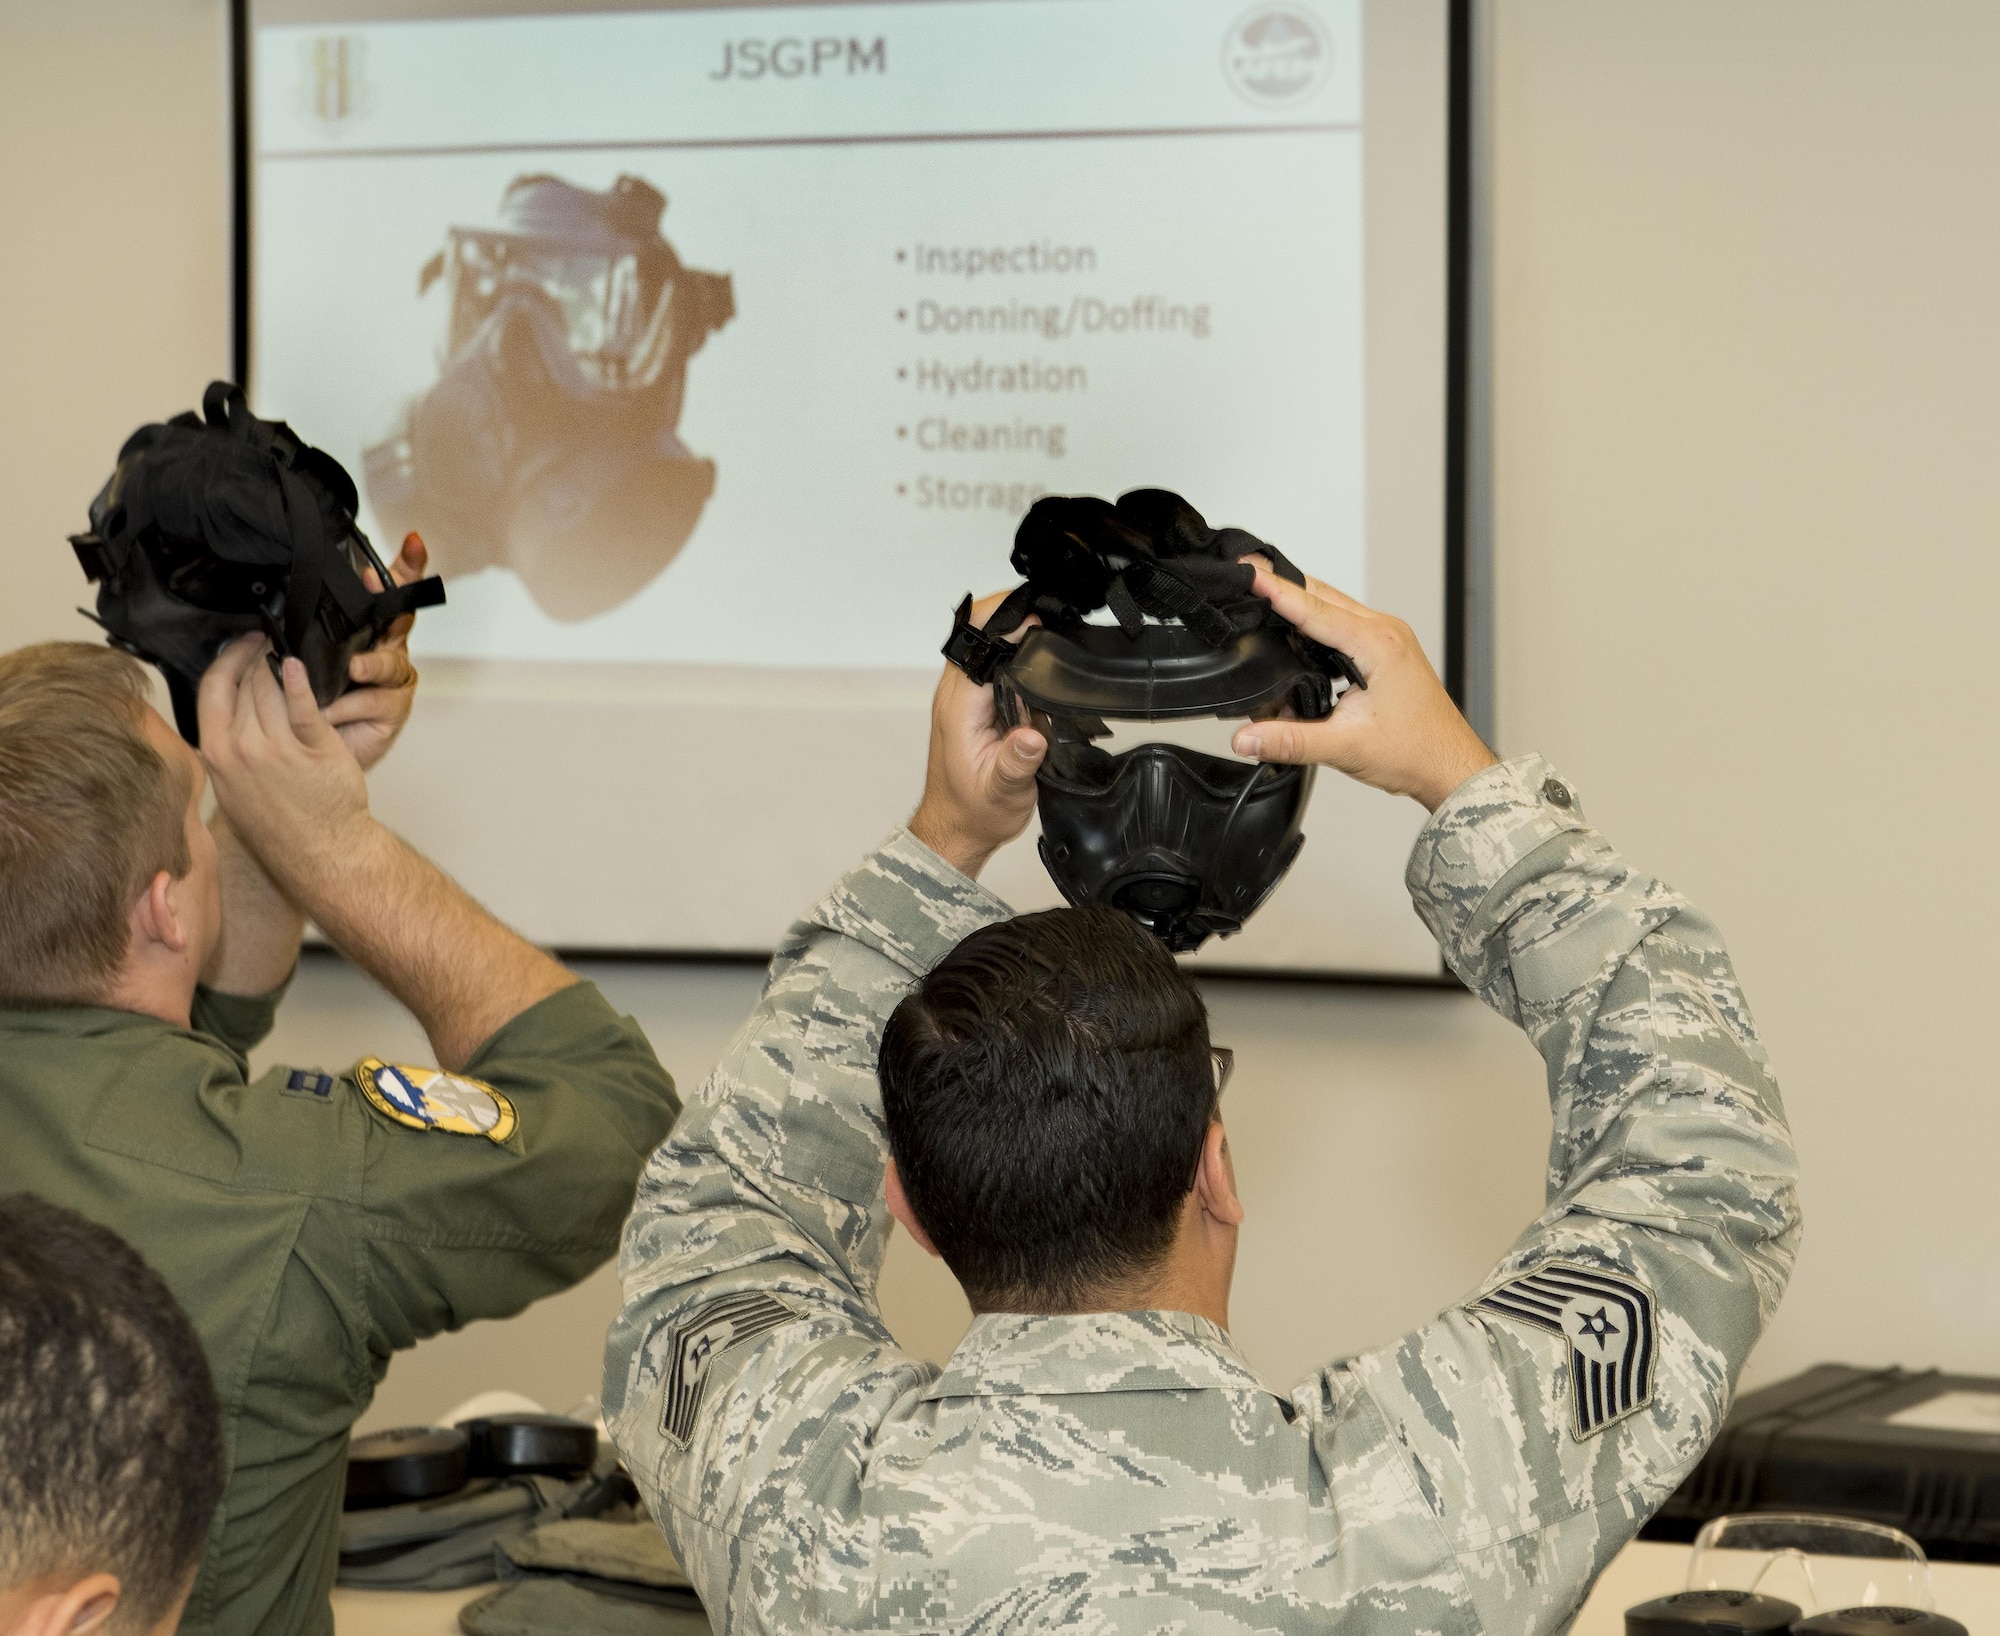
(216, 526)
(549, 443)
(1186, 843)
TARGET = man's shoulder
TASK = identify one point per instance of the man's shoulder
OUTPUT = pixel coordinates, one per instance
(131, 1087)
(905, 904)
(838, 972)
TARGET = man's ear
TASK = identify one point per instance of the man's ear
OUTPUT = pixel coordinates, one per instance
(1215, 1179)
(75, 1610)
(156, 918)
(899, 1207)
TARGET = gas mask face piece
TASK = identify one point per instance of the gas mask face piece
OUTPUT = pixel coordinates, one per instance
(217, 526)
(1188, 844)
(549, 443)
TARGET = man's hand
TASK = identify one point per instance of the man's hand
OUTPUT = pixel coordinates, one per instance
(979, 786)
(283, 776)
(1401, 733)
(291, 788)
(370, 714)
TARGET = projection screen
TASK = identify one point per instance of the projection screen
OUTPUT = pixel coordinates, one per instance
(716, 351)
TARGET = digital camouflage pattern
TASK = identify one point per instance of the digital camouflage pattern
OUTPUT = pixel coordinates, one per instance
(1116, 1473)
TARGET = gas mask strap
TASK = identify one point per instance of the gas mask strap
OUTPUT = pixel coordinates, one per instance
(1332, 661)
(217, 402)
(1167, 594)
(398, 600)
(1018, 604)
(181, 693)
(979, 655)
(308, 575)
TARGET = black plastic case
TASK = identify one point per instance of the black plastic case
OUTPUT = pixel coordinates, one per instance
(1720, 1613)
(1821, 1441)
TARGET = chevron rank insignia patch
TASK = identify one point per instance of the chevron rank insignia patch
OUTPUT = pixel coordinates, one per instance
(699, 1339)
(1607, 1319)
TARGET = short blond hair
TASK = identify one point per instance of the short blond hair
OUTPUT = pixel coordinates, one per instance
(89, 813)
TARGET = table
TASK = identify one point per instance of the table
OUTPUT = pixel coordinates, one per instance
(1969, 1593)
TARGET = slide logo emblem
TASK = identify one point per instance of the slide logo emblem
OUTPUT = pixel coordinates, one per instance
(335, 89)
(1276, 55)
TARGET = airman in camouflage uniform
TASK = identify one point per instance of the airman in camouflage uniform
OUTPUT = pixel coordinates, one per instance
(1118, 1472)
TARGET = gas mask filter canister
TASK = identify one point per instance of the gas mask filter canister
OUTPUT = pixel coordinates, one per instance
(1188, 844)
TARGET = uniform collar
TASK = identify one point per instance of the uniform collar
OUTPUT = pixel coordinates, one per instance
(131, 1029)
(1013, 1354)
(81, 1021)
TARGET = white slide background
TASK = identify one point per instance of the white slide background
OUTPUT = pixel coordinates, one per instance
(687, 769)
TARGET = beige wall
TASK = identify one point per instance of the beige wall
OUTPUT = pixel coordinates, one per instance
(1748, 556)
(1748, 550)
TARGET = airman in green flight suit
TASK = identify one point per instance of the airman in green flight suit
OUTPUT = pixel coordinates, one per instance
(312, 1222)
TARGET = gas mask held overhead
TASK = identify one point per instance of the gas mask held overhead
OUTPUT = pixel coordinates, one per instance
(1188, 844)
(549, 445)
(221, 525)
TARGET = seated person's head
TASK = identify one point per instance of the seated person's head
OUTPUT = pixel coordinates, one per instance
(1051, 1098)
(110, 1434)
(108, 890)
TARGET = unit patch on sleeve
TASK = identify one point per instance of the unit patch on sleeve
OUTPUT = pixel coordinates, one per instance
(701, 1337)
(1607, 1319)
(431, 1099)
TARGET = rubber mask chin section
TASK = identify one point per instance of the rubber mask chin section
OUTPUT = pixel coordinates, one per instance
(1186, 842)
(550, 445)
(224, 525)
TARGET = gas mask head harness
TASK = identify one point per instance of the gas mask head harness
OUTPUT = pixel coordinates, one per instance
(217, 526)
(1186, 843)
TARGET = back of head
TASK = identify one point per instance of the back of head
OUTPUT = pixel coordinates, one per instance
(1047, 1088)
(89, 813)
(110, 1435)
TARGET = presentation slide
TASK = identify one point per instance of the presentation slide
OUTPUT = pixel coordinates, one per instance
(716, 351)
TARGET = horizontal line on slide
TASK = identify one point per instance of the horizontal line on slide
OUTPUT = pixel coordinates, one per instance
(447, 150)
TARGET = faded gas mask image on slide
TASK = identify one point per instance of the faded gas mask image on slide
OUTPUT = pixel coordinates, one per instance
(1187, 843)
(549, 445)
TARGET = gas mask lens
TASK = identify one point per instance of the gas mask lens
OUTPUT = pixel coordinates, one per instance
(603, 305)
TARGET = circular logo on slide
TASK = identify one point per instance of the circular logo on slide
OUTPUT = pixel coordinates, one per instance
(1276, 55)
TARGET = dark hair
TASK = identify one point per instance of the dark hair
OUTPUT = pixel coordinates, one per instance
(1047, 1089)
(110, 1434)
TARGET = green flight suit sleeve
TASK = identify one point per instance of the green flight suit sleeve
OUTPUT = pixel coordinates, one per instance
(456, 1227)
(1545, 1419)
(240, 1021)
(750, 1366)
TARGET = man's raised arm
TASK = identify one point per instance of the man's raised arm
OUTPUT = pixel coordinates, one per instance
(750, 1364)
(258, 948)
(1545, 1419)
(292, 789)
(551, 1101)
